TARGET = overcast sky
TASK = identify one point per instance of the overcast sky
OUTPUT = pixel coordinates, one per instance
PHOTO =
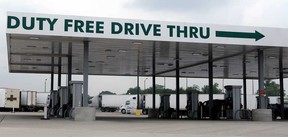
(263, 13)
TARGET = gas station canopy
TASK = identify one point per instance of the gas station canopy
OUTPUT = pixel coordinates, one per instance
(118, 46)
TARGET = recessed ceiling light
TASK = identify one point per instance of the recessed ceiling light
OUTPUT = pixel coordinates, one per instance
(122, 50)
(161, 63)
(196, 54)
(219, 46)
(99, 61)
(136, 43)
(271, 57)
(110, 57)
(33, 38)
(246, 61)
(252, 71)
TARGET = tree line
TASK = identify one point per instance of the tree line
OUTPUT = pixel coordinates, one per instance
(271, 88)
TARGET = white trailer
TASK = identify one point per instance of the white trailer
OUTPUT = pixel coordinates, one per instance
(28, 98)
(9, 98)
(41, 100)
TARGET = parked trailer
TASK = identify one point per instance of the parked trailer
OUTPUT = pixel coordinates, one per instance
(28, 100)
(33, 100)
(41, 99)
(9, 98)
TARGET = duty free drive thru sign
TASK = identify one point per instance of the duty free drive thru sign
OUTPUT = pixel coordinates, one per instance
(91, 27)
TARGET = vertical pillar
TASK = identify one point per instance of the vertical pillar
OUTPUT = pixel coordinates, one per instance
(281, 82)
(244, 81)
(210, 71)
(138, 72)
(59, 65)
(261, 79)
(52, 67)
(177, 80)
(153, 74)
(69, 65)
(85, 73)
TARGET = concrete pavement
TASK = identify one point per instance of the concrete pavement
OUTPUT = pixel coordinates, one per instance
(118, 125)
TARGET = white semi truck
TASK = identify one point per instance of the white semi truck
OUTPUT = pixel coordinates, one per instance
(109, 103)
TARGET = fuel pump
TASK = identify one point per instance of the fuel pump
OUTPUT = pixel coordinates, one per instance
(192, 105)
(164, 109)
(233, 101)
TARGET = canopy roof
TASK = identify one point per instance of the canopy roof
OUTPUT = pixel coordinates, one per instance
(31, 51)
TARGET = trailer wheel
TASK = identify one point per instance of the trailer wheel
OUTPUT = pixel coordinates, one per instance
(123, 111)
(103, 109)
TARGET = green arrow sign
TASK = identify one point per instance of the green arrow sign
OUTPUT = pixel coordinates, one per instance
(245, 35)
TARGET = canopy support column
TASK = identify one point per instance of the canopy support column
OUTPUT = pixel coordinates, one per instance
(52, 67)
(153, 74)
(177, 80)
(69, 65)
(261, 79)
(281, 82)
(244, 81)
(59, 65)
(210, 71)
(85, 73)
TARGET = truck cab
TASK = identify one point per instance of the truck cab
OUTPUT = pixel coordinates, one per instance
(130, 105)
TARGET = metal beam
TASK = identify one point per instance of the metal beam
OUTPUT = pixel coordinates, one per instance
(85, 73)
(35, 64)
(261, 79)
(281, 82)
(153, 74)
(177, 81)
(210, 74)
(40, 54)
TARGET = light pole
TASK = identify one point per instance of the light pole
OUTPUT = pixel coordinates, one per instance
(45, 85)
(145, 83)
